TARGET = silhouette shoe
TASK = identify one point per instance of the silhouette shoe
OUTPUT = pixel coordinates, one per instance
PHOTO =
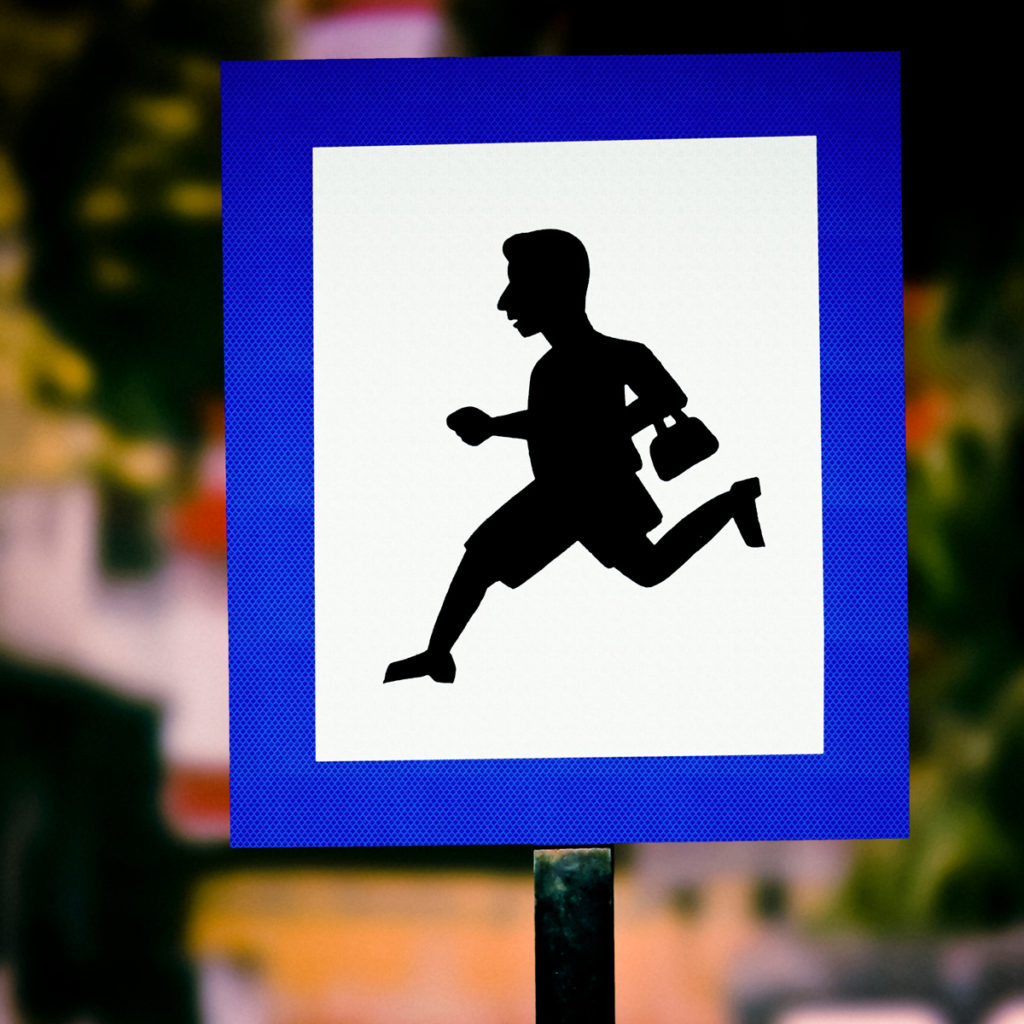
(746, 493)
(440, 668)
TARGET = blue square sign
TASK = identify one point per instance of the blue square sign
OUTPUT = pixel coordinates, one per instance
(565, 435)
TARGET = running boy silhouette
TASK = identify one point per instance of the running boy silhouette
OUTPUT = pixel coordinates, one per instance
(578, 429)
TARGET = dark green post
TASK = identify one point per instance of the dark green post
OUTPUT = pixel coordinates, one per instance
(575, 937)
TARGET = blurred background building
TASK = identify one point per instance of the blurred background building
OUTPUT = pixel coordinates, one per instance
(119, 898)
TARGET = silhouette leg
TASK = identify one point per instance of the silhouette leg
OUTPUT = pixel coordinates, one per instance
(649, 564)
(466, 591)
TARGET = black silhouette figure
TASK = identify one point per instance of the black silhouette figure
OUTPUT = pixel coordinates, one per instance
(578, 430)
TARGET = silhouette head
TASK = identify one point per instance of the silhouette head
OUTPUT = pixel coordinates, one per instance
(548, 273)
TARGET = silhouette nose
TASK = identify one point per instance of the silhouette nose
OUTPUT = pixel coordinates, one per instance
(502, 303)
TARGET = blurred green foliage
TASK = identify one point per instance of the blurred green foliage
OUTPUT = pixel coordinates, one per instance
(961, 867)
(117, 141)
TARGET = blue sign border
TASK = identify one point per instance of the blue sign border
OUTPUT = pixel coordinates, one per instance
(274, 113)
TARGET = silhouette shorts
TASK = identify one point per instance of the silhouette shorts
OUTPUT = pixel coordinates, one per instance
(541, 522)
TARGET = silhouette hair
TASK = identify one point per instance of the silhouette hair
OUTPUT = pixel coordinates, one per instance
(553, 258)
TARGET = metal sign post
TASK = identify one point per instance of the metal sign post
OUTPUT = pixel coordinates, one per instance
(574, 935)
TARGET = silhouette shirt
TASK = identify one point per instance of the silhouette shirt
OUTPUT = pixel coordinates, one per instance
(579, 432)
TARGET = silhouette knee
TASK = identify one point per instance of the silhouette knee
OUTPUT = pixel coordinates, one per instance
(649, 577)
(644, 572)
(478, 572)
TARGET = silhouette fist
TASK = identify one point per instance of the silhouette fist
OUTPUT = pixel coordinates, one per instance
(472, 425)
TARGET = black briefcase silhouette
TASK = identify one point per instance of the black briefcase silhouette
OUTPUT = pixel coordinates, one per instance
(680, 446)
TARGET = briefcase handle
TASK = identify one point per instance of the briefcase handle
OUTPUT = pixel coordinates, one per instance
(660, 424)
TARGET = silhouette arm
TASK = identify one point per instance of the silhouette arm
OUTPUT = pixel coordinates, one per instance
(658, 395)
(512, 425)
(474, 426)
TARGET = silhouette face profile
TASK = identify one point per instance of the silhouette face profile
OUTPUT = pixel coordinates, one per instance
(526, 302)
(547, 280)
